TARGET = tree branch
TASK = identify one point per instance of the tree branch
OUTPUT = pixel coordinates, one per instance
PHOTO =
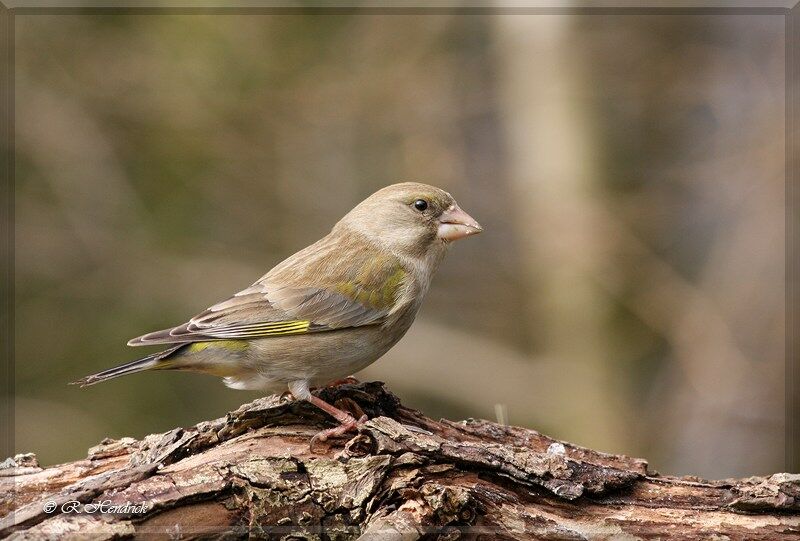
(403, 476)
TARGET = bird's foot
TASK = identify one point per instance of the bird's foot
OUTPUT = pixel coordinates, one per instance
(350, 425)
(347, 422)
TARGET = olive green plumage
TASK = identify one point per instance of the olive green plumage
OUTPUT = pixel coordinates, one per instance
(326, 311)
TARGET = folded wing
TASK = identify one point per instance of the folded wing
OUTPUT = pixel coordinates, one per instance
(333, 284)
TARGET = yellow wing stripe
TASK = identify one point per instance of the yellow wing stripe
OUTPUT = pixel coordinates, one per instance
(258, 330)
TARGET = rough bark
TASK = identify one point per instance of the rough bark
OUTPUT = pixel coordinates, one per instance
(403, 476)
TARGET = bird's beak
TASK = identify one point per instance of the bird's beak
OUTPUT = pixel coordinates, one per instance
(456, 224)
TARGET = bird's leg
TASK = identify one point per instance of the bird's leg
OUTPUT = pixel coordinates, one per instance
(347, 422)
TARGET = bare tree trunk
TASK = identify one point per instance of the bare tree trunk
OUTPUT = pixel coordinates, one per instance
(553, 161)
(403, 476)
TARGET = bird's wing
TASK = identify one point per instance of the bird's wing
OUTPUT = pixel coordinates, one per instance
(333, 284)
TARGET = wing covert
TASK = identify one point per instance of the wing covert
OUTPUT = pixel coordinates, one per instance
(330, 293)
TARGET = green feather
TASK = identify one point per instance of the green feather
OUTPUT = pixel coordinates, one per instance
(232, 345)
(376, 286)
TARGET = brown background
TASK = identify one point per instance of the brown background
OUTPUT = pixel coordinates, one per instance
(628, 293)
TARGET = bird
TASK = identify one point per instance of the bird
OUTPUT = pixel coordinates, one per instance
(326, 312)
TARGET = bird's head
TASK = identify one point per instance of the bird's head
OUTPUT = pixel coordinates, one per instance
(410, 218)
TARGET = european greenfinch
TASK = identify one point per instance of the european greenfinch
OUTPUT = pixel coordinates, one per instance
(325, 312)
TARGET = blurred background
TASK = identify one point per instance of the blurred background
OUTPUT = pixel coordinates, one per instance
(628, 291)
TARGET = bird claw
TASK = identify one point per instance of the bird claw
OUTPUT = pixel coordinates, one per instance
(344, 428)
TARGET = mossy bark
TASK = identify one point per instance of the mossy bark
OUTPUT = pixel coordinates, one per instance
(403, 476)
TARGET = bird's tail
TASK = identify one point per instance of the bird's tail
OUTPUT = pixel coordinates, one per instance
(156, 360)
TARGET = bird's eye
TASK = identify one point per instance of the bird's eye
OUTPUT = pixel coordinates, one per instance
(420, 204)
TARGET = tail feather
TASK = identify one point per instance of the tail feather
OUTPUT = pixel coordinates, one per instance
(139, 365)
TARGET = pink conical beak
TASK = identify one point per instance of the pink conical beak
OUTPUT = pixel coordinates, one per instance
(456, 224)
